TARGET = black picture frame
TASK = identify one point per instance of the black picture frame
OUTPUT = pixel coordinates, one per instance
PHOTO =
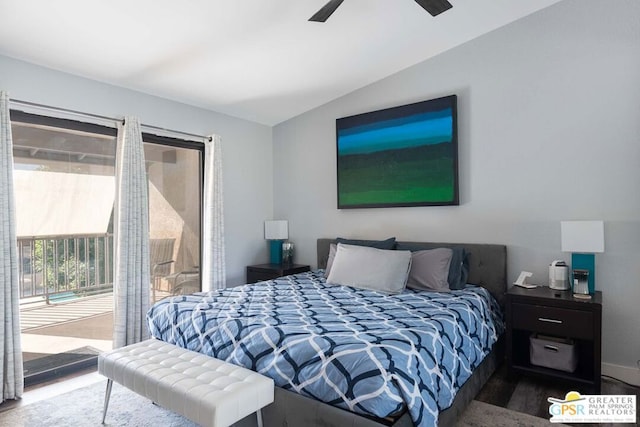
(399, 157)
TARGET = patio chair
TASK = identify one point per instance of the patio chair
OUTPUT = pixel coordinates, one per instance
(186, 287)
(186, 282)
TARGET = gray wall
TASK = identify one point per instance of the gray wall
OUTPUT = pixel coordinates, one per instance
(246, 146)
(549, 130)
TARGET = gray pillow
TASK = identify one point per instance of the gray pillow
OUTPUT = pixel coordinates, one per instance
(390, 243)
(459, 269)
(370, 268)
(430, 269)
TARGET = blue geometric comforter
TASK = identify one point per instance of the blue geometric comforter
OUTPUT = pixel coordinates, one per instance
(364, 351)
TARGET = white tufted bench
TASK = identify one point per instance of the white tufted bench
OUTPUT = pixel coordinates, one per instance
(205, 390)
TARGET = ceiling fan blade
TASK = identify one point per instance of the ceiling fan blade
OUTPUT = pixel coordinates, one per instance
(435, 7)
(326, 11)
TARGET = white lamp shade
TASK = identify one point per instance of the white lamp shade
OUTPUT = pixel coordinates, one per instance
(582, 236)
(276, 230)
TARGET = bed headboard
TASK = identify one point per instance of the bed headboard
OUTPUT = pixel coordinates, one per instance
(487, 263)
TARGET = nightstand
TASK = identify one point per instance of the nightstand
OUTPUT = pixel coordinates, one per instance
(260, 272)
(555, 313)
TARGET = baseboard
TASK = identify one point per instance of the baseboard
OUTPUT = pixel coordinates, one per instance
(627, 374)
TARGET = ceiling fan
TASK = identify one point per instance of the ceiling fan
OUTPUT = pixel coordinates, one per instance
(434, 7)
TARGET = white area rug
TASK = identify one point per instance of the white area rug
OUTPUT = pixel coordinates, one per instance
(83, 408)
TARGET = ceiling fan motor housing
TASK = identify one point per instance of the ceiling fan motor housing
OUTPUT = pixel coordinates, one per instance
(434, 7)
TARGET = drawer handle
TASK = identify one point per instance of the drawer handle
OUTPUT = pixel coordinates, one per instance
(544, 319)
(551, 348)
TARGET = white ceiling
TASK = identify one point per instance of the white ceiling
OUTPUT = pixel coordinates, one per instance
(259, 60)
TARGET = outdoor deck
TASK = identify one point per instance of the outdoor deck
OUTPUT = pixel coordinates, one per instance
(57, 328)
(37, 316)
(66, 326)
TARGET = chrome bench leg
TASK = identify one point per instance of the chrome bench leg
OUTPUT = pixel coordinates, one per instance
(259, 416)
(107, 394)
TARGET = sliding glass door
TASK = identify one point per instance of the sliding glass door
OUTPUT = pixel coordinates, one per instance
(174, 169)
(64, 191)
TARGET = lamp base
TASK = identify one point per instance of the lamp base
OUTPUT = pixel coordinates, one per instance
(585, 262)
(582, 296)
(275, 251)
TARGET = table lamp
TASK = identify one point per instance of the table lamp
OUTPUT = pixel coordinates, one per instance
(276, 232)
(583, 239)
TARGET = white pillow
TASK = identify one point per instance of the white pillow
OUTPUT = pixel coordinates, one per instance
(332, 256)
(370, 268)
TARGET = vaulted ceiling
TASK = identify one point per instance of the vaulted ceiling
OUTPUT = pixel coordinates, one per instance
(260, 60)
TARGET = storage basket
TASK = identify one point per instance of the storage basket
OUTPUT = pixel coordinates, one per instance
(553, 352)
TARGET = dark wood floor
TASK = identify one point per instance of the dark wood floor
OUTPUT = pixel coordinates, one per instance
(529, 395)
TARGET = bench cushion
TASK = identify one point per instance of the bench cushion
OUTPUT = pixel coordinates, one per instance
(205, 390)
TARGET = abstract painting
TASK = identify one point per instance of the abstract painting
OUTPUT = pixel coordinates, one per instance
(400, 156)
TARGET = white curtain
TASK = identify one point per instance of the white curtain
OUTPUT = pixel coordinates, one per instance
(132, 276)
(11, 379)
(213, 264)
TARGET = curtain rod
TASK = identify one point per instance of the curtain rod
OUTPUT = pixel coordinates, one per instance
(97, 116)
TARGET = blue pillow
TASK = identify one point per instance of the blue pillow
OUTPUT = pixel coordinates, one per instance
(459, 268)
(388, 244)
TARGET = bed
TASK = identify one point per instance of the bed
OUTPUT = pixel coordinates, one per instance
(365, 372)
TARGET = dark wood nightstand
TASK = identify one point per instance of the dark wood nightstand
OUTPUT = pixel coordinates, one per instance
(257, 273)
(555, 313)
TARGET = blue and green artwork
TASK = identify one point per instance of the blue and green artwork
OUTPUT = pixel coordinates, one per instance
(402, 156)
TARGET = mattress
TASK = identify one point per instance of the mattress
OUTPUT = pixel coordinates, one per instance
(368, 352)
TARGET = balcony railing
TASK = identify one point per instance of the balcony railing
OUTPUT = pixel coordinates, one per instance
(56, 268)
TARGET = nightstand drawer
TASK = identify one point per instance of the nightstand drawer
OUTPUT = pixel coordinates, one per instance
(553, 320)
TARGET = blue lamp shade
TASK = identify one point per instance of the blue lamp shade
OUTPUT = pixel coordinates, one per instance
(583, 239)
(276, 231)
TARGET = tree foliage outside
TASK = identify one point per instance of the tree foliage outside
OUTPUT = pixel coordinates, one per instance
(69, 268)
